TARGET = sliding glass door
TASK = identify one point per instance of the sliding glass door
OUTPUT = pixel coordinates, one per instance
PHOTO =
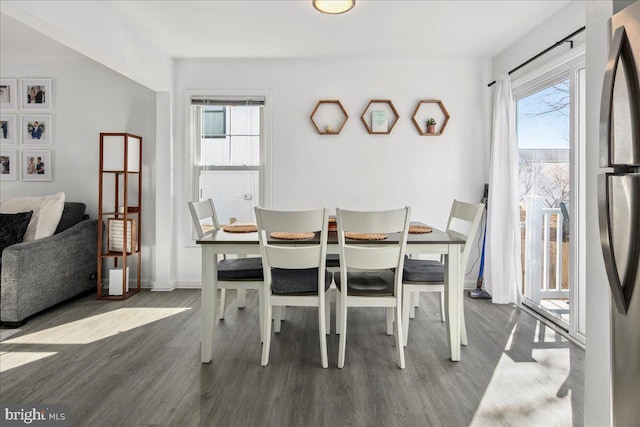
(550, 111)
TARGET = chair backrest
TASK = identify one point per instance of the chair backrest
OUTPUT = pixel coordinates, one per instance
(304, 253)
(204, 214)
(464, 221)
(375, 256)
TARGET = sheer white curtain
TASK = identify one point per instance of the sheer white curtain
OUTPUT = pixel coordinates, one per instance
(503, 263)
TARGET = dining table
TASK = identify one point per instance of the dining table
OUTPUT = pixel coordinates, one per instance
(242, 244)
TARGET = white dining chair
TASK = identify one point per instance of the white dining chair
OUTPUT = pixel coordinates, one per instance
(371, 273)
(294, 273)
(239, 274)
(333, 266)
(429, 275)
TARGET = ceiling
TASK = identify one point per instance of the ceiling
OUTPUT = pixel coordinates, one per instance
(294, 29)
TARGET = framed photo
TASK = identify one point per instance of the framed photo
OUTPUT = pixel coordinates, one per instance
(36, 94)
(8, 165)
(36, 165)
(8, 130)
(8, 94)
(379, 121)
(36, 129)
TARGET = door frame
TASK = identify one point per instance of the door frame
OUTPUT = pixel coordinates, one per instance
(565, 66)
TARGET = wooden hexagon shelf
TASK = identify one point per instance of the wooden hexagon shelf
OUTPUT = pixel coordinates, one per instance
(366, 124)
(445, 113)
(329, 129)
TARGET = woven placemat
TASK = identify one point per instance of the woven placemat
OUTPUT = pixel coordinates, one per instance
(246, 228)
(419, 229)
(365, 236)
(291, 236)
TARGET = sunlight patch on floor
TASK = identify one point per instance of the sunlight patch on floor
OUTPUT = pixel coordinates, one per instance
(13, 359)
(94, 328)
(531, 391)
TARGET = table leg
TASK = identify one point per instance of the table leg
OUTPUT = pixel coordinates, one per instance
(208, 303)
(454, 300)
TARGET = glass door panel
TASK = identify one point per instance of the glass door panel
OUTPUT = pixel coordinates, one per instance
(544, 128)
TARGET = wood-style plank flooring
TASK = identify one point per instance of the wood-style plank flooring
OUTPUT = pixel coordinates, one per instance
(136, 362)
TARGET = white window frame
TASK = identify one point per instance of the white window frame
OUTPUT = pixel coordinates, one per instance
(192, 158)
(567, 65)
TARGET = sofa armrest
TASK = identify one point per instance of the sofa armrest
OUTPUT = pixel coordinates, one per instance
(40, 273)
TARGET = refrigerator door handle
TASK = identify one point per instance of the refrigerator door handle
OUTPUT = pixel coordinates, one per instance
(620, 49)
(607, 244)
(619, 207)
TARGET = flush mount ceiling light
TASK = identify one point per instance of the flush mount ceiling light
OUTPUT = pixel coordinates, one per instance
(334, 7)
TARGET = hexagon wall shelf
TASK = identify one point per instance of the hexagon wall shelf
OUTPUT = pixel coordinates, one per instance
(380, 101)
(445, 113)
(333, 128)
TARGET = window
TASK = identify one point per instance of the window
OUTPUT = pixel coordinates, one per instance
(228, 141)
(214, 122)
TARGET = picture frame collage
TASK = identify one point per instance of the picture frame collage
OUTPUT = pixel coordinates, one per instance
(26, 129)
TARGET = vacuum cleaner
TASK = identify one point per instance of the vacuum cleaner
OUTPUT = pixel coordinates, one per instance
(478, 292)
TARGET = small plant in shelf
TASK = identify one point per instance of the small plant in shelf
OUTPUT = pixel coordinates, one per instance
(431, 125)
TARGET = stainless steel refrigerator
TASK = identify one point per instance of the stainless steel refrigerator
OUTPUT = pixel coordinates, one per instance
(619, 208)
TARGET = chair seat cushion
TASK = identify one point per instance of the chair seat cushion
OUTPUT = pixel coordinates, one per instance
(368, 282)
(240, 269)
(333, 260)
(423, 270)
(293, 282)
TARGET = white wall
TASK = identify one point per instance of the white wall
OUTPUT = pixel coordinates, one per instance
(597, 398)
(353, 169)
(566, 21)
(88, 98)
(97, 30)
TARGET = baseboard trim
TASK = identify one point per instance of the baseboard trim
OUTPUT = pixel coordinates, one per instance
(169, 285)
(163, 286)
(470, 284)
(189, 284)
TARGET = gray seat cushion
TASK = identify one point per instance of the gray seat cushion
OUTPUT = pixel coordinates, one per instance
(240, 269)
(379, 283)
(72, 214)
(333, 260)
(295, 282)
(423, 270)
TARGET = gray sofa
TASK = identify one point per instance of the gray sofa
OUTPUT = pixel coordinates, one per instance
(40, 273)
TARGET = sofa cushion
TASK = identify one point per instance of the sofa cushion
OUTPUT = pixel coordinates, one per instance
(72, 214)
(47, 211)
(12, 228)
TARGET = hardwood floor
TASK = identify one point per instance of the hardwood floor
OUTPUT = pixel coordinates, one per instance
(136, 362)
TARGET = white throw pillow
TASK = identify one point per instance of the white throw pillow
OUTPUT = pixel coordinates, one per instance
(47, 212)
